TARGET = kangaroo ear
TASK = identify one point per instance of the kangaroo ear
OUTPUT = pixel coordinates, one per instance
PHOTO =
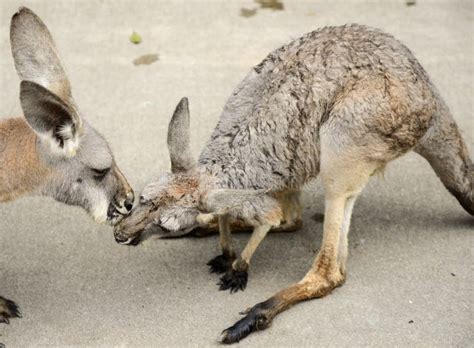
(178, 139)
(35, 54)
(219, 201)
(51, 118)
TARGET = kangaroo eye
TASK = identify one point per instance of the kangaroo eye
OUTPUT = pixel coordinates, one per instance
(100, 173)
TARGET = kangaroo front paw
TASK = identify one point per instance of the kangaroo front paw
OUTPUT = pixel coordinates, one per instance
(233, 280)
(220, 264)
(8, 309)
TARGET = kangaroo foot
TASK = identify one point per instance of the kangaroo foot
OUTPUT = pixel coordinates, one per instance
(256, 318)
(236, 277)
(260, 316)
(220, 264)
(8, 309)
(233, 280)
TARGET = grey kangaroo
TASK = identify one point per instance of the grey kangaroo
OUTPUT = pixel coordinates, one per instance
(52, 151)
(339, 102)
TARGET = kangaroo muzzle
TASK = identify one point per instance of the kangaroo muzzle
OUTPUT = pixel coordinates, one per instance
(130, 229)
(119, 208)
(122, 203)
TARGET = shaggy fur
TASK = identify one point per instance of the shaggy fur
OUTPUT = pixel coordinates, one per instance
(339, 102)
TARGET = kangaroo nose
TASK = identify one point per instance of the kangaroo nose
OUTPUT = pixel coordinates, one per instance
(129, 201)
(128, 205)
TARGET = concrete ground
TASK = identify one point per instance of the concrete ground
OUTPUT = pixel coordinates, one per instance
(410, 279)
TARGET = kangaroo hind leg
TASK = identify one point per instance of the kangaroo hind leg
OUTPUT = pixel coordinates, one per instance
(343, 178)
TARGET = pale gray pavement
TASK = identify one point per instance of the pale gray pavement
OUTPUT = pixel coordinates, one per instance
(76, 286)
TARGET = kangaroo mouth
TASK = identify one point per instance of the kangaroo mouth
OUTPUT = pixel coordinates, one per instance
(132, 241)
(129, 229)
(114, 216)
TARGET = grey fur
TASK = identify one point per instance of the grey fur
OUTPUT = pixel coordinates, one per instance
(35, 54)
(69, 150)
(268, 134)
(178, 138)
(340, 102)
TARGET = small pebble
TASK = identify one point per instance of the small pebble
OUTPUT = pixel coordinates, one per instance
(411, 322)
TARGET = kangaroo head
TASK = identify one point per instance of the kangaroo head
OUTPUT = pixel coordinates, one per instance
(172, 201)
(80, 165)
(183, 199)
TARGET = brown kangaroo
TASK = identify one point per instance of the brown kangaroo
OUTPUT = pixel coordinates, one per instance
(52, 151)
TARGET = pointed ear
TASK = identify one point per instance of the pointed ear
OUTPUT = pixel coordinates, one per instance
(219, 201)
(35, 54)
(178, 139)
(51, 118)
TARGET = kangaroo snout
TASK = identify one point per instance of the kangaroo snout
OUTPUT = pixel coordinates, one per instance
(129, 201)
(120, 207)
(122, 202)
(127, 241)
(125, 237)
(124, 205)
(128, 231)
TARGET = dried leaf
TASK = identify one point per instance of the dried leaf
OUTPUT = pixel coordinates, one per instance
(245, 12)
(275, 5)
(146, 59)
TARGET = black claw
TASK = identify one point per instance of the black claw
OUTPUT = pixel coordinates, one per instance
(245, 312)
(233, 280)
(220, 264)
(13, 308)
(9, 310)
(258, 318)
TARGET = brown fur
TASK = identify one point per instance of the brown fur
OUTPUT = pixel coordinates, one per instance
(21, 170)
(183, 188)
(274, 217)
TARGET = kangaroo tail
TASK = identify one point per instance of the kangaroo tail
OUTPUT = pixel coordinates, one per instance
(444, 148)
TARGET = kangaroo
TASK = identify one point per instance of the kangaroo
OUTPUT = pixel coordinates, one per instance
(339, 102)
(52, 151)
